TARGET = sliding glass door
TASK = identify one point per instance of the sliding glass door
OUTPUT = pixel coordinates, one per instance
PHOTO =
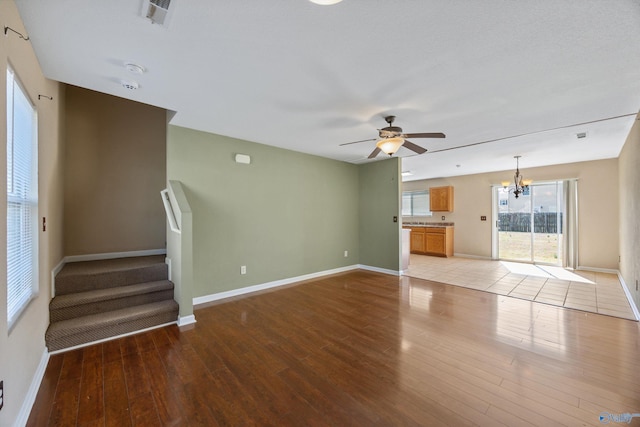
(529, 228)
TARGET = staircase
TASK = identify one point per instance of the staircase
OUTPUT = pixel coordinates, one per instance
(102, 299)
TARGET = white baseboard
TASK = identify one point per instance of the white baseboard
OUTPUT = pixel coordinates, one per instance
(269, 285)
(486, 258)
(632, 303)
(380, 270)
(598, 269)
(112, 255)
(186, 320)
(54, 272)
(30, 398)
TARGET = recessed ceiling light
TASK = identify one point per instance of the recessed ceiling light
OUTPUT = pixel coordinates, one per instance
(407, 173)
(134, 68)
(325, 2)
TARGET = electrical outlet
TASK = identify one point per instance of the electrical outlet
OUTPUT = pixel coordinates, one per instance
(346, 254)
(1, 394)
(243, 269)
(443, 217)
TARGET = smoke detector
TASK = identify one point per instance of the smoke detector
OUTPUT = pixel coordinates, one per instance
(134, 68)
(129, 84)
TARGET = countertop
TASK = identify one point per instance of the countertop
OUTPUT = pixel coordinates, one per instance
(428, 224)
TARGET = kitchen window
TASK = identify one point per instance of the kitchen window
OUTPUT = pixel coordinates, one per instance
(22, 200)
(415, 203)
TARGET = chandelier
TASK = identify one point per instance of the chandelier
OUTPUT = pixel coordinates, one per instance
(520, 184)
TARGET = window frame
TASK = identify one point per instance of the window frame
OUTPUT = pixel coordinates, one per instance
(27, 201)
(412, 195)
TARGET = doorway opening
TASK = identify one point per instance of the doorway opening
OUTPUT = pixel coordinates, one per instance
(530, 228)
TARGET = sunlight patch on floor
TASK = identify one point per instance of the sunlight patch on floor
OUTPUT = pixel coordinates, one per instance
(546, 271)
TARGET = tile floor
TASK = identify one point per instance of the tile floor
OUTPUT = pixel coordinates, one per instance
(581, 290)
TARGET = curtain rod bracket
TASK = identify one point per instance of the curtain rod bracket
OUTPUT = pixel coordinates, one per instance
(19, 34)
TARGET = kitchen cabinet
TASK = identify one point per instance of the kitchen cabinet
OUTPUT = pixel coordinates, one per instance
(417, 240)
(441, 199)
(436, 241)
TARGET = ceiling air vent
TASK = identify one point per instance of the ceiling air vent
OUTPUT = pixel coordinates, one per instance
(157, 11)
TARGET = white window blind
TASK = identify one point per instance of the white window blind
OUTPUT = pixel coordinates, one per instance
(22, 200)
(415, 203)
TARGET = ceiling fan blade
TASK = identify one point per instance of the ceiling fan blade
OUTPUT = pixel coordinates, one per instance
(413, 147)
(424, 135)
(374, 153)
(357, 142)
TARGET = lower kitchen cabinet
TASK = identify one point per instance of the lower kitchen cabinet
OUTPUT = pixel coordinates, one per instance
(436, 241)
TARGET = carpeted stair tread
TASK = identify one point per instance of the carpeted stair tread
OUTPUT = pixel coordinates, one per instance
(109, 265)
(79, 298)
(92, 275)
(97, 300)
(103, 322)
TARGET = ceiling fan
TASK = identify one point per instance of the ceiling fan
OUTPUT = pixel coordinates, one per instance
(392, 138)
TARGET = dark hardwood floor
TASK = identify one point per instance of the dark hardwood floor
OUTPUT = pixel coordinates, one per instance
(355, 349)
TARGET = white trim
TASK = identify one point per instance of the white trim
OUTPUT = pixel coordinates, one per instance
(115, 337)
(30, 398)
(599, 270)
(486, 258)
(380, 270)
(255, 288)
(54, 272)
(632, 303)
(186, 320)
(171, 216)
(167, 261)
(113, 255)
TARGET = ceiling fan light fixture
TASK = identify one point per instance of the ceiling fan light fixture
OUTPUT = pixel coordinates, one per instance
(390, 145)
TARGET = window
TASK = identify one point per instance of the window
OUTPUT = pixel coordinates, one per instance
(22, 200)
(415, 203)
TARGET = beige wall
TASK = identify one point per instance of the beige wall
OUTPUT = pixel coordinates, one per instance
(597, 210)
(629, 162)
(22, 349)
(115, 170)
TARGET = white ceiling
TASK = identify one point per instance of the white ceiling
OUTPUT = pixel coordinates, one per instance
(296, 75)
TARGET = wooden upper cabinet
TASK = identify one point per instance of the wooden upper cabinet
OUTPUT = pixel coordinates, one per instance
(441, 199)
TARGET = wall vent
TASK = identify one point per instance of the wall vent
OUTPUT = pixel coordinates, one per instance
(157, 11)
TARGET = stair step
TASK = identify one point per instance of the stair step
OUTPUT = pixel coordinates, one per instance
(64, 307)
(103, 274)
(94, 327)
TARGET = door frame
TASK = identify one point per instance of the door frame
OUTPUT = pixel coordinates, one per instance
(495, 240)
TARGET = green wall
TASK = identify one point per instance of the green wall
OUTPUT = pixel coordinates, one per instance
(284, 215)
(380, 236)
